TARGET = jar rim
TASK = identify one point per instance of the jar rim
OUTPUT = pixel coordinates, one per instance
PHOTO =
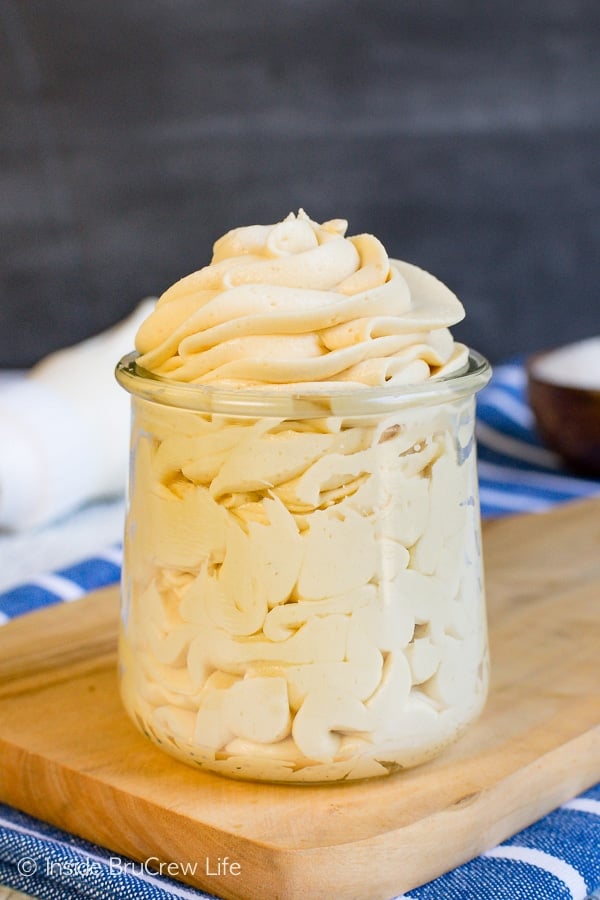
(301, 402)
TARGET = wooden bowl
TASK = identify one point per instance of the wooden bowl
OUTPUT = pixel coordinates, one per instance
(567, 414)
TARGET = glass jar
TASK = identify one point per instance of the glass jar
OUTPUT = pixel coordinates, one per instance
(302, 595)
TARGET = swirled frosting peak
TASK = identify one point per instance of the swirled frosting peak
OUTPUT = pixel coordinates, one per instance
(299, 303)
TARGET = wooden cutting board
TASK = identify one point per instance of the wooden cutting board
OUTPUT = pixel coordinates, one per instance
(70, 756)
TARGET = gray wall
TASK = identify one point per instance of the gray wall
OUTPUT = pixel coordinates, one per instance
(463, 133)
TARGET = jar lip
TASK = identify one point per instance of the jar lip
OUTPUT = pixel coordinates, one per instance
(301, 403)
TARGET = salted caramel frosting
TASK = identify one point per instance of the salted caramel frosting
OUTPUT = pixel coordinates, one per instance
(300, 303)
(303, 596)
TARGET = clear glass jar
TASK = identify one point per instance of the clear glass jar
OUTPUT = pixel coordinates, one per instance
(302, 594)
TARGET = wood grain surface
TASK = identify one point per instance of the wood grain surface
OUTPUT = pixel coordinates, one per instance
(71, 757)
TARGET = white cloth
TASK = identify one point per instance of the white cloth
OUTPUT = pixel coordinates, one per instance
(64, 429)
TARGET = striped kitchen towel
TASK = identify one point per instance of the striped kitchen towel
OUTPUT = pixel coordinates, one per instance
(516, 472)
(50, 864)
(557, 858)
(67, 584)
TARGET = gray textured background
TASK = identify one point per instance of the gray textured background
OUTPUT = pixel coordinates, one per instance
(463, 133)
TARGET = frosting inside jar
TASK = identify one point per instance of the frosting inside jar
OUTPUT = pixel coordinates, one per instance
(303, 597)
(299, 303)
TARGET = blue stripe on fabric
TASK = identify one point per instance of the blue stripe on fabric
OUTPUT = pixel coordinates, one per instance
(494, 418)
(507, 477)
(490, 453)
(505, 405)
(491, 416)
(89, 574)
(486, 878)
(497, 503)
(593, 793)
(552, 495)
(92, 573)
(580, 849)
(516, 451)
(70, 867)
(26, 598)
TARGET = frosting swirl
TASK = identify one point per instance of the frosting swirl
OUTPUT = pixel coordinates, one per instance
(300, 304)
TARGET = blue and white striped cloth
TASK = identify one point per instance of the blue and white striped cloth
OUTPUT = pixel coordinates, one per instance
(557, 858)
(63, 586)
(516, 472)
